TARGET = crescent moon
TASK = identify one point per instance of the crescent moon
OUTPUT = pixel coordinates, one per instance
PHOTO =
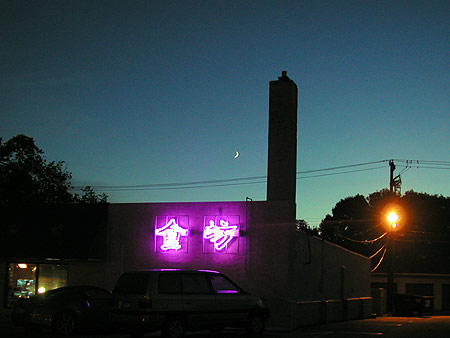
(237, 154)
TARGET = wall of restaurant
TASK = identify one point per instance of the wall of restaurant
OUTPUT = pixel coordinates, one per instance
(268, 256)
(252, 242)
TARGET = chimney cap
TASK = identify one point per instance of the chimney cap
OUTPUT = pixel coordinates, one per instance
(284, 76)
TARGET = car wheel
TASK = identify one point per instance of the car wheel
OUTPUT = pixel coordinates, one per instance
(173, 328)
(255, 324)
(65, 324)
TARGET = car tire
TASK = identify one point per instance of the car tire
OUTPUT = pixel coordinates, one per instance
(65, 324)
(255, 324)
(174, 327)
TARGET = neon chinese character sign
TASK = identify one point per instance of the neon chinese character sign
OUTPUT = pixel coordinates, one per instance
(220, 233)
(171, 234)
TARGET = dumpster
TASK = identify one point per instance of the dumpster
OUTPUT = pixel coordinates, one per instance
(413, 305)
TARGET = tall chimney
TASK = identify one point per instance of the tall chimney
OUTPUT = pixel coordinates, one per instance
(282, 156)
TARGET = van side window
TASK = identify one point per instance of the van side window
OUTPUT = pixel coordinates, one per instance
(169, 283)
(195, 283)
(222, 285)
(135, 283)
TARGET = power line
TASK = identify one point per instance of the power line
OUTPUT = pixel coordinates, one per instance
(381, 259)
(263, 179)
(424, 164)
(429, 167)
(367, 230)
(364, 242)
(341, 173)
(150, 188)
(341, 167)
(376, 253)
(228, 182)
(422, 161)
(168, 185)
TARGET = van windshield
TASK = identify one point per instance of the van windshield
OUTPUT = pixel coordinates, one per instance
(132, 283)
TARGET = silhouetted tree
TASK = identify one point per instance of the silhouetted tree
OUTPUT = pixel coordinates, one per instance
(429, 213)
(90, 197)
(27, 178)
(302, 225)
(350, 215)
(356, 220)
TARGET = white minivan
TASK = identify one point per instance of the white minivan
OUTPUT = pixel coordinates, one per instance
(175, 301)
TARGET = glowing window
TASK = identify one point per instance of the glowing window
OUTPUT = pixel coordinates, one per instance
(25, 280)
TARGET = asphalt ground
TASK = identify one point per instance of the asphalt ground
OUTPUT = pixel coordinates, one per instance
(386, 327)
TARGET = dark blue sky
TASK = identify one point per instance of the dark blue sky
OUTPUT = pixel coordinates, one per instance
(150, 92)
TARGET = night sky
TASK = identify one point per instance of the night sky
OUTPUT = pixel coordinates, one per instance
(143, 93)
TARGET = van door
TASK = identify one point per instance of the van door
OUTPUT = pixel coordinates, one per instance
(169, 298)
(199, 301)
(233, 303)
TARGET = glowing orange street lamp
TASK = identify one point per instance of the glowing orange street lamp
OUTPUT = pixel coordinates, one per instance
(392, 217)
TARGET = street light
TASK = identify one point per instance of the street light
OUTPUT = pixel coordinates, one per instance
(392, 218)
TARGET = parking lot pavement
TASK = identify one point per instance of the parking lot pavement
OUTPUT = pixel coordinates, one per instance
(385, 327)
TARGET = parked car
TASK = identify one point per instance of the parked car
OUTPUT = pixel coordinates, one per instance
(176, 301)
(65, 310)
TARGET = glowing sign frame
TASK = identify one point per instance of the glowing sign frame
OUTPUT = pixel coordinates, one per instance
(171, 233)
(218, 231)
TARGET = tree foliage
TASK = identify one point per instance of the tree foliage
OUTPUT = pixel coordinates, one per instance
(302, 225)
(89, 196)
(27, 178)
(357, 220)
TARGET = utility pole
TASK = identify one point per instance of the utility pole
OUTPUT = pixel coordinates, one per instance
(394, 182)
(391, 176)
(390, 249)
(390, 289)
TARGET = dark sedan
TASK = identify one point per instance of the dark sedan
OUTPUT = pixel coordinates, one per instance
(65, 310)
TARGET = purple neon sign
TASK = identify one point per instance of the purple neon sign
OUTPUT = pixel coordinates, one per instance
(171, 234)
(220, 233)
